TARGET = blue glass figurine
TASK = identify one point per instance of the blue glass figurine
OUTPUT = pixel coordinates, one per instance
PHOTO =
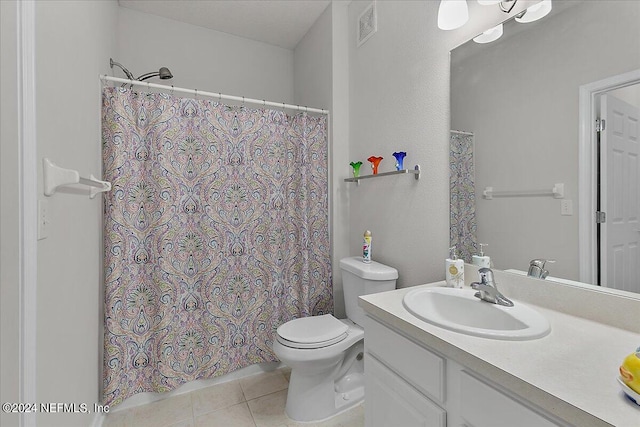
(399, 159)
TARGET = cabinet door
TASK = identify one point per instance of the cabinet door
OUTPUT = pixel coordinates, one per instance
(484, 406)
(390, 401)
(420, 367)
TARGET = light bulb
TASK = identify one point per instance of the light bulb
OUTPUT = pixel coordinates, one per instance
(492, 34)
(452, 14)
(535, 12)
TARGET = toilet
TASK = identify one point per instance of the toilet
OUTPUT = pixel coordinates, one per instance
(325, 354)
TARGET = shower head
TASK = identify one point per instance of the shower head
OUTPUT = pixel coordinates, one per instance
(163, 73)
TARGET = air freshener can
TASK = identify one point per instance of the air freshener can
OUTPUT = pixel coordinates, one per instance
(366, 247)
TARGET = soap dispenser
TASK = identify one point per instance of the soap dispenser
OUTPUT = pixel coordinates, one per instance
(481, 260)
(454, 270)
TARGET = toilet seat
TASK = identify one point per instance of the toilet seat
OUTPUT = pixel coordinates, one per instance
(312, 332)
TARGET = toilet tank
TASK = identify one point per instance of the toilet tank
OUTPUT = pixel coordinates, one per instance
(359, 278)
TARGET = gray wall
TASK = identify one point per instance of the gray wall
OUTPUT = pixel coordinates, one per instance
(74, 41)
(525, 119)
(629, 94)
(9, 273)
(321, 80)
(204, 59)
(399, 101)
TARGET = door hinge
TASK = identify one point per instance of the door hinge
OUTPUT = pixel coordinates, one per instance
(600, 125)
(601, 217)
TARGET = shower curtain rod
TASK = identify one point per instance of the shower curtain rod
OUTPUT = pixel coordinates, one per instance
(220, 96)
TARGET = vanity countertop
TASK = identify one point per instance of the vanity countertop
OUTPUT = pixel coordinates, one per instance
(570, 373)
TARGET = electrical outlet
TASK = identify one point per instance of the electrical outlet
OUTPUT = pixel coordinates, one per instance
(566, 207)
(43, 219)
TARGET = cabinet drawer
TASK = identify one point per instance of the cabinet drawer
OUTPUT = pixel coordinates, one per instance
(393, 402)
(417, 365)
(484, 406)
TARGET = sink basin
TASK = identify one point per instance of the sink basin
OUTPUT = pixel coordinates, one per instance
(459, 311)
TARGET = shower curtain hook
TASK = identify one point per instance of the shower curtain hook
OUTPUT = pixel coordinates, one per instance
(264, 104)
(171, 90)
(243, 101)
(220, 97)
(196, 94)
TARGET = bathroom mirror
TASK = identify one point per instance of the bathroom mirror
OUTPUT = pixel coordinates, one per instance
(519, 97)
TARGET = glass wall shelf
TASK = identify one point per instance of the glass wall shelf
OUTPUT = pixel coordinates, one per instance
(415, 172)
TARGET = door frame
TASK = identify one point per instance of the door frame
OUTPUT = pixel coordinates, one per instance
(27, 204)
(587, 158)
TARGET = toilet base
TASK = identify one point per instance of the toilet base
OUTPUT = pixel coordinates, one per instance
(349, 391)
(317, 397)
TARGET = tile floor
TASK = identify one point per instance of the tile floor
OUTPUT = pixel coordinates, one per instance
(255, 401)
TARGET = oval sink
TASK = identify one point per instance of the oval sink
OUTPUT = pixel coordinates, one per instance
(458, 310)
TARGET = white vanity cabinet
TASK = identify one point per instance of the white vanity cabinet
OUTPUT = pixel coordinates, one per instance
(391, 401)
(408, 385)
(404, 382)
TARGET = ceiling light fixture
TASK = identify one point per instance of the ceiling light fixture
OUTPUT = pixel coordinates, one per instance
(492, 34)
(535, 12)
(452, 14)
(507, 5)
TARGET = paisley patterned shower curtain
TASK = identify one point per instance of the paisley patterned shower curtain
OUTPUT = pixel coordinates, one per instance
(462, 219)
(215, 233)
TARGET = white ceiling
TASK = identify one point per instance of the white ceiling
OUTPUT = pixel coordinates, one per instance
(278, 22)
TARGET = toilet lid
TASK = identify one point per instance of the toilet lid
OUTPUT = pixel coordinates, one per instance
(312, 332)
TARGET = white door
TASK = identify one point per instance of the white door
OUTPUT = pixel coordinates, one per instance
(620, 195)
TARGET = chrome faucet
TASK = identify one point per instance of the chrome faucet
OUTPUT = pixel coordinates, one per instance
(488, 290)
(536, 268)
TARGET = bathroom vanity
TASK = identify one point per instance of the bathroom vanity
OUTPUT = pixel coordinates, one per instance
(419, 374)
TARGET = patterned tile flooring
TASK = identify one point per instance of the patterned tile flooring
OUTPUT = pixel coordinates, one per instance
(255, 401)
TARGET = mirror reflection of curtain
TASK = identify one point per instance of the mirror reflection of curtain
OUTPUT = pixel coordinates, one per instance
(462, 220)
(216, 232)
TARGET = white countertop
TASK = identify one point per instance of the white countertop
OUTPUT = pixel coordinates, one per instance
(570, 373)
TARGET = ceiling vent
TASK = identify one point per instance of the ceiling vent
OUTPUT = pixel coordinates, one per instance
(367, 24)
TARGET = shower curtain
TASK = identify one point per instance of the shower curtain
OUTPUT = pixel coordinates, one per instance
(462, 219)
(215, 233)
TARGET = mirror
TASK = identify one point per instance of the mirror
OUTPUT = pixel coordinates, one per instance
(519, 98)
